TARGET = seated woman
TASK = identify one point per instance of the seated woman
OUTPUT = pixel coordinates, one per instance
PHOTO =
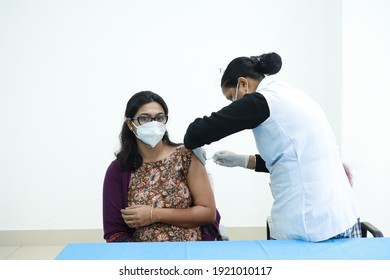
(156, 190)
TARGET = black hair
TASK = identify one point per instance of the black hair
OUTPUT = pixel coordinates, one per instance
(255, 67)
(128, 157)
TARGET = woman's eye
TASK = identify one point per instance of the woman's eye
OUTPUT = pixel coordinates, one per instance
(144, 119)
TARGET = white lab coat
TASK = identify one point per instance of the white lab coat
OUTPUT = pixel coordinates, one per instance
(313, 200)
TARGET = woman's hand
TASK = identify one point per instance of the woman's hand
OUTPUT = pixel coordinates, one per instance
(138, 215)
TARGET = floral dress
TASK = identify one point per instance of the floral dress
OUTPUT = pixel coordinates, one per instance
(163, 184)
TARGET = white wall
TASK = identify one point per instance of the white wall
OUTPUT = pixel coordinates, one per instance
(366, 100)
(68, 68)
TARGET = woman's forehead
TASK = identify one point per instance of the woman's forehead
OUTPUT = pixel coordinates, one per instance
(150, 108)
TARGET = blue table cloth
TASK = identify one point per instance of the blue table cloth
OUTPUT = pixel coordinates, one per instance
(340, 249)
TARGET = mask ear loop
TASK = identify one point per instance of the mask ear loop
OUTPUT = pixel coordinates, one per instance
(132, 130)
(134, 124)
(237, 86)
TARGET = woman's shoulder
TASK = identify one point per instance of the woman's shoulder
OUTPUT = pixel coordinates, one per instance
(182, 152)
(184, 156)
(115, 177)
(114, 168)
(113, 165)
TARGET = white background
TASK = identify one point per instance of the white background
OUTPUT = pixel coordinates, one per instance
(68, 68)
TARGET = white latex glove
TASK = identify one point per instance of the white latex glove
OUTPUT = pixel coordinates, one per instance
(200, 153)
(230, 159)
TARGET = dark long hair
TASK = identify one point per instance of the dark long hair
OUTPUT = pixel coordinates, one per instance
(128, 157)
(254, 67)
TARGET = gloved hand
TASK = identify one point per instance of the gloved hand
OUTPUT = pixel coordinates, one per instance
(230, 159)
(200, 153)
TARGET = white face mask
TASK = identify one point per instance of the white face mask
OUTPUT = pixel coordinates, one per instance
(150, 133)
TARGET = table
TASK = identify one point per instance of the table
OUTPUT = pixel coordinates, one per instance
(340, 249)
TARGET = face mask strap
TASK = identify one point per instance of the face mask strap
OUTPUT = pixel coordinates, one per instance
(134, 125)
(237, 86)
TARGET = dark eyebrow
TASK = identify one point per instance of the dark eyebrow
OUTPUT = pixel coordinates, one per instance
(148, 115)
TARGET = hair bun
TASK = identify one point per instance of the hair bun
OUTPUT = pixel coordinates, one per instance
(268, 63)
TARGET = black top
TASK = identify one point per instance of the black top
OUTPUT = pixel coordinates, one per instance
(245, 113)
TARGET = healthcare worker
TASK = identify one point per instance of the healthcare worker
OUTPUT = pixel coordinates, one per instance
(313, 199)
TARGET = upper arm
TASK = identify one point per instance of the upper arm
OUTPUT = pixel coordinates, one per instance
(246, 113)
(199, 185)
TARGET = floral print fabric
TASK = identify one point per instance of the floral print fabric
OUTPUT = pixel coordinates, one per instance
(163, 184)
